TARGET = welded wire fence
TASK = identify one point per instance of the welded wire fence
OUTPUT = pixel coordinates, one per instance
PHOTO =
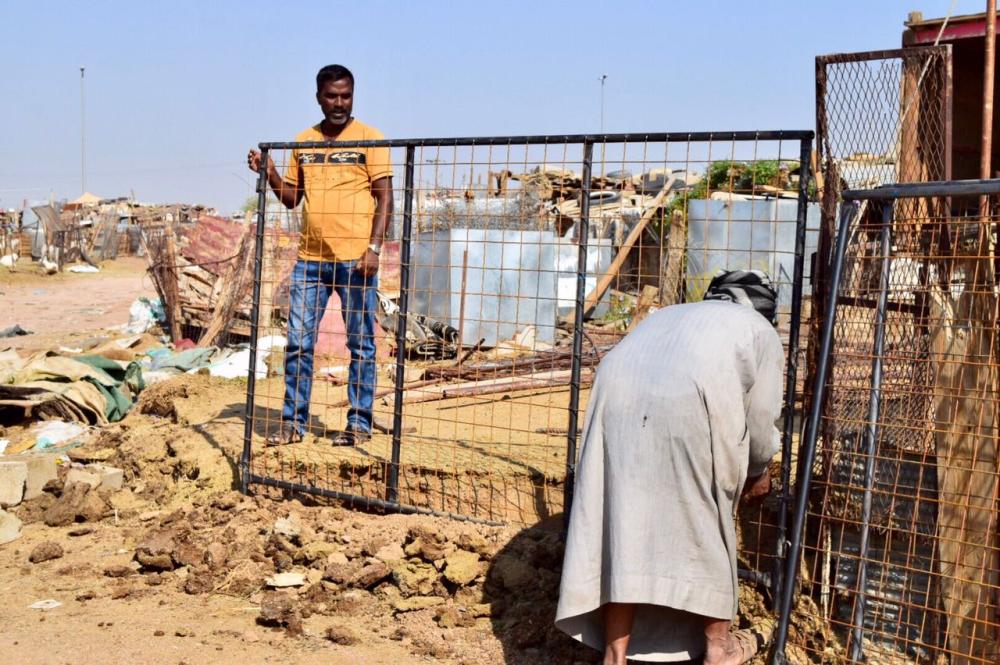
(454, 380)
(898, 489)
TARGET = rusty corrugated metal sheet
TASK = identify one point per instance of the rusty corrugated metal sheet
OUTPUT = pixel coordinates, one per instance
(213, 243)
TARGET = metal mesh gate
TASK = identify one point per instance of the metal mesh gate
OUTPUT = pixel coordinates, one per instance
(881, 117)
(899, 488)
(514, 264)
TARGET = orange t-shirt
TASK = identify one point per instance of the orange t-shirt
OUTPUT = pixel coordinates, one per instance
(338, 205)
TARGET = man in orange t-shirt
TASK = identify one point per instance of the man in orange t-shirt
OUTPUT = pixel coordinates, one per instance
(346, 196)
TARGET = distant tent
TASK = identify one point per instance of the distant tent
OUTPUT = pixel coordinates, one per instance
(85, 200)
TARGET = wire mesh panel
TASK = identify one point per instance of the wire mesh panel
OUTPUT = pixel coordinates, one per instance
(884, 117)
(452, 378)
(901, 552)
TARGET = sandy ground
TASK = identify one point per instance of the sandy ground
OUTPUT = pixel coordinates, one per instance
(195, 630)
(67, 308)
(382, 579)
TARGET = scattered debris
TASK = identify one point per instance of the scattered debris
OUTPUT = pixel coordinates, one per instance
(14, 331)
(283, 580)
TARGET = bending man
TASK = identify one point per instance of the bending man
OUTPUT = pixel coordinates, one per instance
(680, 423)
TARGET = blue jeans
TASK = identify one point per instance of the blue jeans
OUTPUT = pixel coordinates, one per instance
(310, 288)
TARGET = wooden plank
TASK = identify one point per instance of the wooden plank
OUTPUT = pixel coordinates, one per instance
(605, 282)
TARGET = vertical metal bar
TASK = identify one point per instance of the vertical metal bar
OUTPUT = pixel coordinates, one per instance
(946, 104)
(871, 434)
(792, 363)
(807, 450)
(258, 266)
(392, 485)
(581, 295)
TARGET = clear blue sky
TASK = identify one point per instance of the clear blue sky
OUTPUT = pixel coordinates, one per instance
(176, 92)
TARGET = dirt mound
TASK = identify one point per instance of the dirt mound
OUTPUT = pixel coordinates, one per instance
(451, 591)
(159, 399)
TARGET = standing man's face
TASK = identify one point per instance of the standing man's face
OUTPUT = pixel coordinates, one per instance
(336, 99)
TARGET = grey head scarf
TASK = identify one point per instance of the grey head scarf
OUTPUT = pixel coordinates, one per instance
(751, 288)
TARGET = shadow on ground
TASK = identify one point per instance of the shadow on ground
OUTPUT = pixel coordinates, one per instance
(522, 585)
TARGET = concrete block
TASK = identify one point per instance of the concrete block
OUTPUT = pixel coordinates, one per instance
(41, 469)
(10, 527)
(13, 478)
(97, 475)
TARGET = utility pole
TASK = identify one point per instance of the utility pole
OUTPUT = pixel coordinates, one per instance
(602, 79)
(83, 140)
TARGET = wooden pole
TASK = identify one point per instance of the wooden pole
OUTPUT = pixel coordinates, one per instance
(985, 158)
(605, 282)
(461, 307)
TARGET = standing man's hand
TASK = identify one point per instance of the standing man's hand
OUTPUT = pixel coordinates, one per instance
(253, 161)
(756, 489)
(367, 265)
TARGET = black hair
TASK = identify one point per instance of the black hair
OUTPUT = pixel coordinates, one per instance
(332, 73)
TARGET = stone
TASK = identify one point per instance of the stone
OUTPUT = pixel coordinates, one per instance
(40, 469)
(279, 608)
(288, 527)
(414, 603)
(155, 553)
(46, 551)
(341, 635)
(198, 583)
(481, 610)
(448, 617)
(97, 476)
(80, 531)
(117, 570)
(512, 573)
(340, 573)
(216, 555)
(414, 578)
(13, 478)
(186, 554)
(369, 575)
(474, 542)
(282, 580)
(372, 545)
(318, 550)
(338, 558)
(390, 553)
(461, 567)
(428, 549)
(86, 595)
(10, 527)
(78, 502)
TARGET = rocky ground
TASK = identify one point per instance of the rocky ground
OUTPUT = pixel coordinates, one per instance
(178, 567)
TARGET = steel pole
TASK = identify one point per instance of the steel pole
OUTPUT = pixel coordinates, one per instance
(870, 446)
(83, 139)
(581, 295)
(792, 362)
(807, 451)
(392, 484)
(258, 266)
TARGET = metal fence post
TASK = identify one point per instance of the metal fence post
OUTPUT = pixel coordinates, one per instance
(792, 364)
(807, 449)
(583, 231)
(258, 265)
(392, 485)
(871, 433)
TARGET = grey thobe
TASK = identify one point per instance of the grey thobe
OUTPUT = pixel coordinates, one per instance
(681, 413)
